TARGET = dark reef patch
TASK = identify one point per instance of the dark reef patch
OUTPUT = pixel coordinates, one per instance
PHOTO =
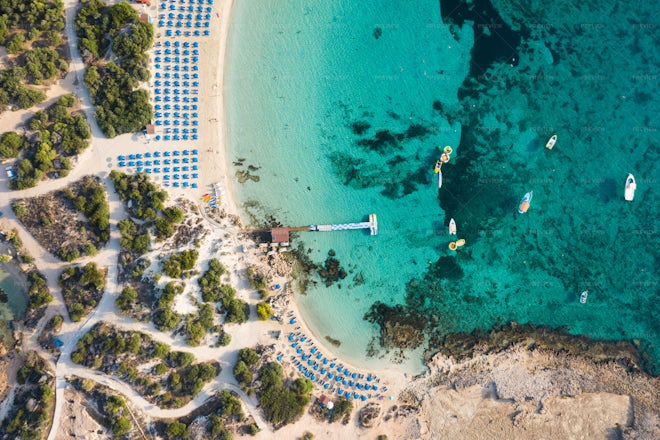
(382, 143)
(360, 127)
(494, 39)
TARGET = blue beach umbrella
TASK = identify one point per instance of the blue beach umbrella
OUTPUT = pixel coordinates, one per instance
(363, 397)
(367, 387)
(354, 375)
(360, 386)
(310, 363)
(306, 373)
(323, 370)
(340, 391)
(332, 365)
(319, 356)
(304, 357)
(291, 338)
(330, 375)
(325, 361)
(299, 351)
(313, 350)
(340, 368)
(316, 367)
(375, 387)
(355, 396)
(326, 386)
(337, 378)
(312, 377)
(344, 382)
(351, 383)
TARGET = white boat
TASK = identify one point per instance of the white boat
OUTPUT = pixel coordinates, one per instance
(452, 227)
(525, 202)
(583, 297)
(551, 142)
(631, 186)
(439, 178)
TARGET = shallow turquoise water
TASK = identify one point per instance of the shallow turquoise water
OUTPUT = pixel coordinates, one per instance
(342, 107)
(17, 299)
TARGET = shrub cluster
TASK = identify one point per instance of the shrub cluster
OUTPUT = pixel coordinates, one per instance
(142, 197)
(214, 290)
(282, 404)
(179, 263)
(36, 387)
(57, 134)
(172, 382)
(164, 317)
(115, 33)
(82, 288)
(31, 30)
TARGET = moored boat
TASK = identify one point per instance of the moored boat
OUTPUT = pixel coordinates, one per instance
(452, 227)
(583, 296)
(438, 164)
(551, 142)
(525, 202)
(631, 186)
(440, 179)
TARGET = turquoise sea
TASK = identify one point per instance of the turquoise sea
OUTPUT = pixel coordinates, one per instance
(342, 108)
(16, 303)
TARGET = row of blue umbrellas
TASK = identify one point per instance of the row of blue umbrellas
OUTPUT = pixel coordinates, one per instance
(176, 122)
(168, 91)
(176, 51)
(184, 107)
(176, 59)
(184, 184)
(166, 169)
(188, 16)
(177, 44)
(184, 115)
(176, 75)
(177, 68)
(186, 24)
(179, 33)
(175, 83)
(183, 2)
(176, 137)
(189, 8)
(156, 154)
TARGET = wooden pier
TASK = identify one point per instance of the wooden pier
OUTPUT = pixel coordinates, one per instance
(279, 235)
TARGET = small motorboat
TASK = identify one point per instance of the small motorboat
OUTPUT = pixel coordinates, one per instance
(438, 165)
(583, 297)
(551, 142)
(631, 186)
(439, 179)
(525, 202)
(452, 227)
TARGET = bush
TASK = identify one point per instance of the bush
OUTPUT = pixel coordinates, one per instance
(237, 311)
(264, 311)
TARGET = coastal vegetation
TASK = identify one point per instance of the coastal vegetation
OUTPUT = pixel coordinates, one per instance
(31, 413)
(282, 400)
(113, 43)
(214, 290)
(53, 219)
(180, 264)
(32, 33)
(258, 282)
(112, 409)
(82, 288)
(142, 197)
(264, 311)
(45, 150)
(171, 383)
